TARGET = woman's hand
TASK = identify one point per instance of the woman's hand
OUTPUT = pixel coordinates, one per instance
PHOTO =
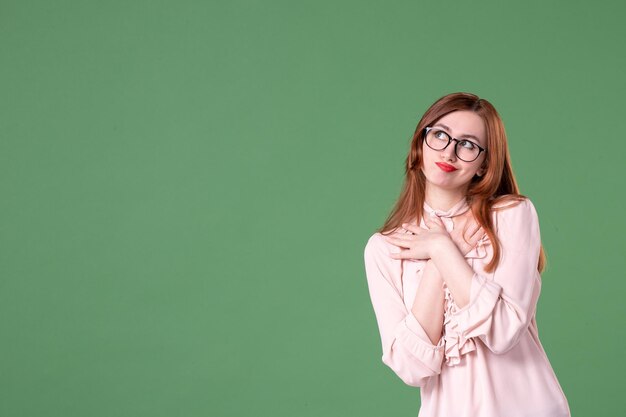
(420, 242)
(474, 233)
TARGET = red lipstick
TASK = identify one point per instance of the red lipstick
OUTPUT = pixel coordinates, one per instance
(445, 167)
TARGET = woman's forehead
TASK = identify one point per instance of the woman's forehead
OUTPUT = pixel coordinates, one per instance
(463, 124)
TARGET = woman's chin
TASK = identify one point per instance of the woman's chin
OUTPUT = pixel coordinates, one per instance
(444, 185)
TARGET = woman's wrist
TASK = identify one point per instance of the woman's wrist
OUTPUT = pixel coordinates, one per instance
(441, 244)
(432, 274)
(453, 268)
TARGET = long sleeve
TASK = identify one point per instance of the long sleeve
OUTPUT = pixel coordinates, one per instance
(406, 348)
(501, 309)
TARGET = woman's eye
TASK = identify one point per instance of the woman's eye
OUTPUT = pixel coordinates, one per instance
(440, 134)
(467, 144)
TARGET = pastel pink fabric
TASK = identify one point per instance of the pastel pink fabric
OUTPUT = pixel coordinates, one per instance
(489, 362)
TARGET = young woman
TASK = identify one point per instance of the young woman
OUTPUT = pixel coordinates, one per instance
(454, 273)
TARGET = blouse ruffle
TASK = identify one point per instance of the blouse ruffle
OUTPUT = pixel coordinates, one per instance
(455, 344)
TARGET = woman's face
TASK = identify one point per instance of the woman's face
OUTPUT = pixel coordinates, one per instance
(459, 124)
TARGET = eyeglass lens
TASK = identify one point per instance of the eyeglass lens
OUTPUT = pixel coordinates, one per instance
(464, 149)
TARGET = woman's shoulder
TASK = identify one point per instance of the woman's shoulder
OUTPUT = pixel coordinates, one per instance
(512, 203)
(376, 249)
(515, 209)
(377, 244)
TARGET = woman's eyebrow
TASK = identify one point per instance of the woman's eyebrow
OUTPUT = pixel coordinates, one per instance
(461, 136)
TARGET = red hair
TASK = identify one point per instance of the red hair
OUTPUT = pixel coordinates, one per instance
(491, 191)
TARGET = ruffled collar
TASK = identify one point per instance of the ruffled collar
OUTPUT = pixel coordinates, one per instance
(459, 208)
(445, 215)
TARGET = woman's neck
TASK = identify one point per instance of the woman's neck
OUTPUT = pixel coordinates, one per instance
(444, 201)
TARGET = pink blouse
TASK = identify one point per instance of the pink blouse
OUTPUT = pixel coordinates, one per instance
(489, 362)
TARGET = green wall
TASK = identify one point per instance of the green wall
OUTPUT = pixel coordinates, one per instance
(187, 188)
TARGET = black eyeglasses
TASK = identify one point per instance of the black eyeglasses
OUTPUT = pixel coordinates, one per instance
(439, 140)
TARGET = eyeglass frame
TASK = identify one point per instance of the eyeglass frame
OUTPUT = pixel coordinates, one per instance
(450, 139)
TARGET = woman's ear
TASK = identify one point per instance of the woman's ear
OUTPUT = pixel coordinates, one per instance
(483, 169)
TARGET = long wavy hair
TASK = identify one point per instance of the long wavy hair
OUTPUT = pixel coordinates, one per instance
(495, 190)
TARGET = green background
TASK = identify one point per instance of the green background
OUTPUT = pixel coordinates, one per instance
(187, 188)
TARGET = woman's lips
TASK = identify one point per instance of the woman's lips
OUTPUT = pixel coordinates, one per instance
(445, 167)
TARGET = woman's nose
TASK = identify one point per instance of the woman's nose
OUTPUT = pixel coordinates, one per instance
(448, 152)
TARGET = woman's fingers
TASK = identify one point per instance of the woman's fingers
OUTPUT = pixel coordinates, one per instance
(402, 243)
(465, 235)
(476, 232)
(434, 222)
(477, 236)
(399, 255)
(471, 241)
(412, 228)
(398, 240)
(473, 229)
